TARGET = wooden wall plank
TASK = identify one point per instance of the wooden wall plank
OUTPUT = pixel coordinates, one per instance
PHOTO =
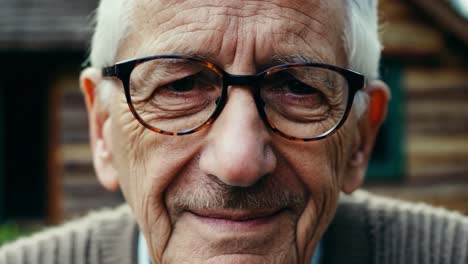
(411, 38)
(2, 153)
(54, 164)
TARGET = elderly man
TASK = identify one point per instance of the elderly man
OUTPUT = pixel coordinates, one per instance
(231, 128)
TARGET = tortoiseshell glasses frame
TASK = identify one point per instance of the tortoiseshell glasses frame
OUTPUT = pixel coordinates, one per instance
(123, 71)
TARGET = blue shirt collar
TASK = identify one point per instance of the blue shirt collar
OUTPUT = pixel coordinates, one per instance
(143, 256)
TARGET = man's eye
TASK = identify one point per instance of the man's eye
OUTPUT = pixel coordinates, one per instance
(180, 86)
(300, 88)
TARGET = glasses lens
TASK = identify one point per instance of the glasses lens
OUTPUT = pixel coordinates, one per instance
(174, 95)
(304, 102)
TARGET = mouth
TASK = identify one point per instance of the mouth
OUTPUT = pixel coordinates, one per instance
(236, 219)
(236, 215)
(235, 232)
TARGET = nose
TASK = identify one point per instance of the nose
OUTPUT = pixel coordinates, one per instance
(238, 149)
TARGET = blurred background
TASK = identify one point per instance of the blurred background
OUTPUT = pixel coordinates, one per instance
(46, 173)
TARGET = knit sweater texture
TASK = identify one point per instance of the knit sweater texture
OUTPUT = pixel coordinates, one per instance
(366, 229)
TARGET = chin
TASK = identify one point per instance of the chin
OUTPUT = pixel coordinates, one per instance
(202, 240)
(250, 259)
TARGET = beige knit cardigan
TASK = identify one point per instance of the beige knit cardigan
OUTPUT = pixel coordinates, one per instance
(366, 229)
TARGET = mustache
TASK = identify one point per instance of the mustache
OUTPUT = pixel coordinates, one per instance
(212, 193)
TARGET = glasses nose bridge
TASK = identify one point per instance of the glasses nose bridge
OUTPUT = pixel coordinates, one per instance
(251, 81)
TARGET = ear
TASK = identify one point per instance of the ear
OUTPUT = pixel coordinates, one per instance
(99, 129)
(364, 140)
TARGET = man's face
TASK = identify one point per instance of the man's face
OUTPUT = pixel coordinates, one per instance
(234, 192)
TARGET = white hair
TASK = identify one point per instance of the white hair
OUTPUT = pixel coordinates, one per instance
(360, 36)
(362, 44)
(110, 28)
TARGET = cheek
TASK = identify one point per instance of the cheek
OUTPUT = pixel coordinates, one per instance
(147, 163)
(125, 131)
(339, 149)
(312, 164)
(319, 167)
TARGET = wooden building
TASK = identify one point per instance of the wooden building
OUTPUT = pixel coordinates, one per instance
(45, 161)
(43, 44)
(426, 54)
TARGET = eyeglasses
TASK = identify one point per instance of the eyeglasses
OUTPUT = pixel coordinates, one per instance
(179, 95)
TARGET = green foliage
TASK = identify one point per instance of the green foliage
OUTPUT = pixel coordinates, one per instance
(10, 232)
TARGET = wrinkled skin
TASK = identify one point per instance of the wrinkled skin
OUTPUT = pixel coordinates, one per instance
(236, 162)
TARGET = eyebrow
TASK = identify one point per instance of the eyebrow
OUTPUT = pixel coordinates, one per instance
(297, 58)
(273, 61)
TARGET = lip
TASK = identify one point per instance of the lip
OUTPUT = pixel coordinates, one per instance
(236, 215)
(235, 231)
(237, 221)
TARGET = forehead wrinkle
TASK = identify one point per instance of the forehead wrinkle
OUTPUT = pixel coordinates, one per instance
(167, 34)
(293, 27)
(310, 25)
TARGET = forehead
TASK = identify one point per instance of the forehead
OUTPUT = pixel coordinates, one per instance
(250, 32)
